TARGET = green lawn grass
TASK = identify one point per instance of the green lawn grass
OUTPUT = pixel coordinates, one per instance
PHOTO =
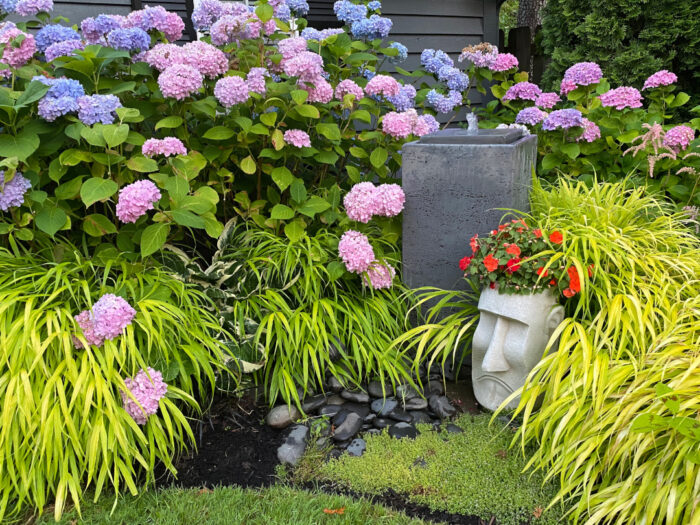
(473, 473)
(278, 505)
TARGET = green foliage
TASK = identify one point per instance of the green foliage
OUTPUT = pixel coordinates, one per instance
(635, 324)
(465, 473)
(62, 425)
(630, 39)
(508, 16)
(276, 505)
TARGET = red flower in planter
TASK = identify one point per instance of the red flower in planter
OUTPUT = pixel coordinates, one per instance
(492, 286)
(474, 243)
(538, 233)
(513, 249)
(542, 272)
(491, 263)
(574, 280)
(513, 265)
(569, 293)
(556, 237)
(464, 263)
(553, 282)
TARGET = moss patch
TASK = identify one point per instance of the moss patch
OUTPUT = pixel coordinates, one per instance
(471, 473)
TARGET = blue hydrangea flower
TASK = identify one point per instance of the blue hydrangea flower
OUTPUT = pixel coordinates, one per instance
(98, 108)
(564, 119)
(405, 100)
(454, 78)
(348, 12)
(129, 39)
(8, 6)
(12, 192)
(50, 108)
(371, 28)
(61, 87)
(374, 5)
(283, 12)
(403, 53)
(53, 33)
(368, 74)
(298, 7)
(433, 60)
(444, 103)
(310, 33)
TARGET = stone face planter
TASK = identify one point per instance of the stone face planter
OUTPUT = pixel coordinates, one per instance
(510, 339)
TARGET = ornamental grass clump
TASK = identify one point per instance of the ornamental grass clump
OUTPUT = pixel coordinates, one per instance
(635, 324)
(78, 411)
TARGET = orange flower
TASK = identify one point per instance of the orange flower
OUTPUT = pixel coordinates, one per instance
(569, 293)
(537, 232)
(556, 237)
(513, 249)
(491, 263)
(474, 243)
(574, 280)
(464, 263)
(502, 227)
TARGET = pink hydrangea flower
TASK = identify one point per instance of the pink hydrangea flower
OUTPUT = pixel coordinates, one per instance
(581, 74)
(380, 275)
(383, 85)
(84, 320)
(136, 199)
(230, 91)
(33, 7)
(16, 56)
(348, 87)
(210, 61)
(355, 251)
(162, 56)
(256, 80)
(307, 66)
(660, 78)
(111, 314)
(547, 100)
(360, 202)
(389, 200)
(679, 138)
(523, 91)
(291, 47)
(234, 28)
(399, 125)
(179, 81)
(298, 138)
(591, 131)
(320, 91)
(425, 125)
(147, 389)
(621, 98)
(504, 62)
(169, 146)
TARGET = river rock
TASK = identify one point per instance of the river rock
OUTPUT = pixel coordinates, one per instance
(436, 387)
(382, 422)
(403, 430)
(334, 384)
(314, 403)
(330, 410)
(399, 414)
(383, 407)
(350, 426)
(417, 403)
(420, 417)
(370, 417)
(335, 399)
(453, 429)
(356, 396)
(357, 447)
(340, 417)
(361, 409)
(406, 392)
(375, 389)
(441, 406)
(282, 416)
(291, 451)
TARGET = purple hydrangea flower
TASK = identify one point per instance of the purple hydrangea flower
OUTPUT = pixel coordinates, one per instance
(256, 80)
(12, 192)
(209, 11)
(52, 34)
(147, 388)
(129, 39)
(425, 124)
(504, 62)
(581, 74)
(348, 12)
(433, 60)
(481, 55)
(310, 33)
(179, 81)
(531, 116)
(168, 147)
(679, 138)
(591, 131)
(355, 251)
(96, 29)
(348, 87)
(564, 119)
(231, 90)
(33, 7)
(61, 87)
(444, 103)
(98, 108)
(660, 78)
(51, 108)
(111, 315)
(62, 49)
(372, 28)
(453, 78)
(406, 98)
(621, 98)
(298, 7)
(297, 138)
(8, 6)
(547, 100)
(137, 198)
(84, 320)
(159, 19)
(523, 91)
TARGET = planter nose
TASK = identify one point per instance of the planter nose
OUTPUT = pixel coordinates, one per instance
(495, 359)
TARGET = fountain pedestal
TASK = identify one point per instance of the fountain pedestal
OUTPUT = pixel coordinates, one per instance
(457, 183)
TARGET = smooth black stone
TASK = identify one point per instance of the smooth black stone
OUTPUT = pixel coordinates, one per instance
(436, 387)
(403, 430)
(357, 447)
(370, 417)
(330, 410)
(335, 399)
(361, 410)
(334, 384)
(399, 414)
(375, 389)
(350, 426)
(314, 403)
(366, 427)
(383, 407)
(356, 396)
(340, 417)
(420, 417)
(343, 444)
(381, 422)
(453, 429)
(374, 432)
(441, 406)
(417, 403)
(406, 392)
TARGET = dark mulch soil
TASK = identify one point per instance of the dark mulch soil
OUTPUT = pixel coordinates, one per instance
(234, 447)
